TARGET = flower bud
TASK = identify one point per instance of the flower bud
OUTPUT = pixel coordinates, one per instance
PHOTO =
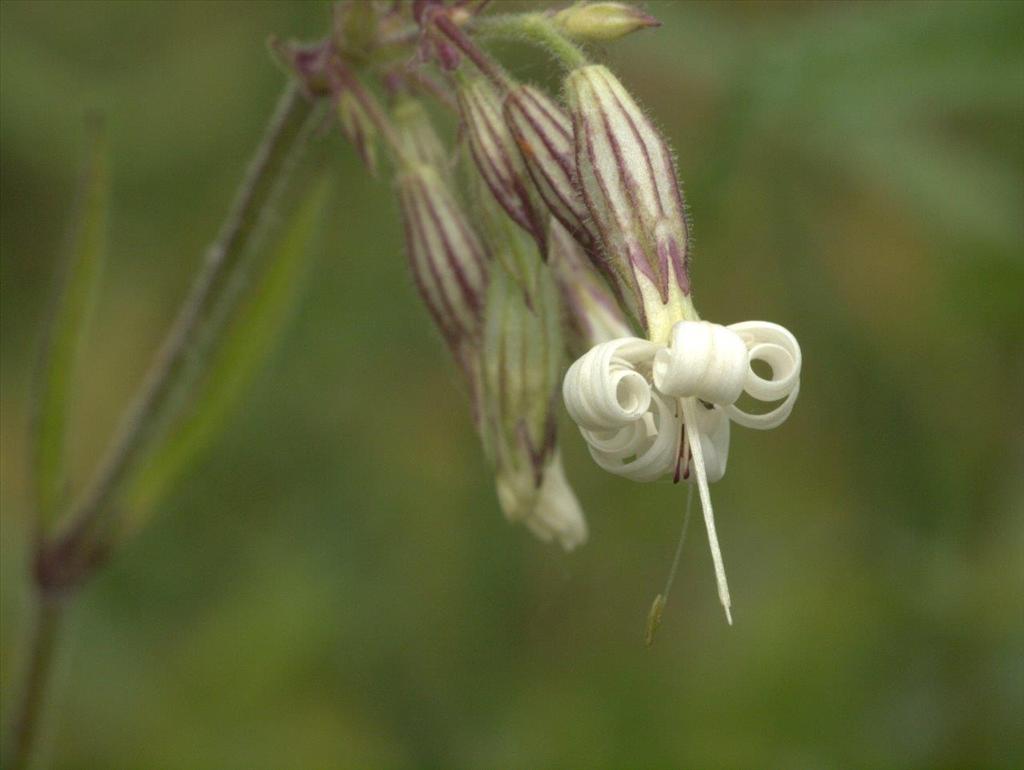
(449, 263)
(628, 182)
(602, 22)
(522, 360)
(496, 157)
(543, 133)
(358, 129)
(593, 314)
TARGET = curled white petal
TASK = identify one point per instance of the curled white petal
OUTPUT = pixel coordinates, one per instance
(643, 450)
(704, 360)
(629, 440)
(768, 420)
(603, 389)
(778, 348)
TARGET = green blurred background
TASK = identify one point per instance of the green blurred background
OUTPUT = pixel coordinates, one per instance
(332, 585)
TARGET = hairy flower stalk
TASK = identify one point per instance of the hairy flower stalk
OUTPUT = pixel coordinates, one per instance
(660, 406)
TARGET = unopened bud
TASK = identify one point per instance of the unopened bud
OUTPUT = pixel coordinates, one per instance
(543, 133)
(594, 316)
(629, 185)
(358, 129)
(496, 157)
(522, 366)
(448, 260)
(601, 22)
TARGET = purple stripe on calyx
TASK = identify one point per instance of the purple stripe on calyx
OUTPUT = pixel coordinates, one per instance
(421, 262)
(472, 297)
(560, 184)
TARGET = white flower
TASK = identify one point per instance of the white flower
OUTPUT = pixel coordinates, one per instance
(648, 410)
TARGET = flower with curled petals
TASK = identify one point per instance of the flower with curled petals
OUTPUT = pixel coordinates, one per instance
(647, 410)
(661, 406)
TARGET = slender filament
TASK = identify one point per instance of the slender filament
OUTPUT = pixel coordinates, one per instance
(693, 438)
(658, 605)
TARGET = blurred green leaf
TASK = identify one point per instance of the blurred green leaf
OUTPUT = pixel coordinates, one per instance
(55, 380)
(248, 337)
(897, 99)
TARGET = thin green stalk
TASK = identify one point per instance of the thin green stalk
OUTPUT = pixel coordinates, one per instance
(534, 28)
(271, 164)
(28, 711)
(65, 560)
(378, 116)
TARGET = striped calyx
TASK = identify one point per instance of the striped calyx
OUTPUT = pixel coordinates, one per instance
(496, 157)
(448, 260)
(543, 133)
(628, 182)
(522, 367)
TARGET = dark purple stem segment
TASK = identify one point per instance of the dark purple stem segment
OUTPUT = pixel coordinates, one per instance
(488, 66)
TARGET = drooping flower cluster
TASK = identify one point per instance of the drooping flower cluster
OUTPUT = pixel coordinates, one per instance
(568, 237)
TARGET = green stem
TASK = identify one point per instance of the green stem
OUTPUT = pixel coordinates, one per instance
(68, 558)
(270, 166)
(30, 709)
(534, 28)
